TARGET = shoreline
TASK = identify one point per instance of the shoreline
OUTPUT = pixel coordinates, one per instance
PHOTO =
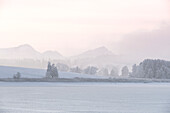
(90, 80)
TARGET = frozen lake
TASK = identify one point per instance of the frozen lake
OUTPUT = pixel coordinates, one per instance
(84, 98)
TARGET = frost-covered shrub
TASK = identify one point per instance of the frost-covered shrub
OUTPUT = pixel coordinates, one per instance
(17, 75)
(90, 70)
(76, 70)
(62, 67)
(125, 71)
(103, 71)
(114, 72)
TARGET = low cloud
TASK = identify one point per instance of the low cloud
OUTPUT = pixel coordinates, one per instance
(153, 44)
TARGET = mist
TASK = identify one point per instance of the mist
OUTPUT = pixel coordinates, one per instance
(72, 27)
(146, 44)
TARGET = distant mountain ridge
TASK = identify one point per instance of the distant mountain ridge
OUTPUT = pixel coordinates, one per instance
(52, 55)
(95, 53)
(27, 52)
(99, 57)
(26, 56)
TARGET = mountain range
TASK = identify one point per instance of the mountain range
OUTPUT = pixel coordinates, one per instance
(99, 57)
(27, 52)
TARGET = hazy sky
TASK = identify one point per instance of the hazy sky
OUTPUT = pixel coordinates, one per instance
(73, 26)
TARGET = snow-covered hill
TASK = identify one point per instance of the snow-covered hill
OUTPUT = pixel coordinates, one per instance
(8, 72)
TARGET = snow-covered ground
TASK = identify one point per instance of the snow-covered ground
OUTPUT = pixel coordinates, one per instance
(84, 97)
(8, 72)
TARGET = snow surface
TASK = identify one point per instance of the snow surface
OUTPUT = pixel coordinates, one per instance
(8, 72)
(84, 98)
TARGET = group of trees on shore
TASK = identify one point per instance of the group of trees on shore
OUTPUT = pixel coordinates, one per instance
(158, 69)
(149, 68)
(153, 69)
(52, 71)
(92, 70)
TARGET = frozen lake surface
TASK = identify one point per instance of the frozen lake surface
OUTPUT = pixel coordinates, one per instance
(84, 98)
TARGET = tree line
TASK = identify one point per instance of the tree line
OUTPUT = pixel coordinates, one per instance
(90, 70)
(158, 69)
(149, 68)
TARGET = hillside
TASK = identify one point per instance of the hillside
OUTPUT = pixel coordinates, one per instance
(8, 72)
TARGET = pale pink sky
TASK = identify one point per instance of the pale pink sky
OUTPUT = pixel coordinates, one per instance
(73, 26)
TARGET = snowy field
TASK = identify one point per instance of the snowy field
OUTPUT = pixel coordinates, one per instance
(8, 72)
(84, 97)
